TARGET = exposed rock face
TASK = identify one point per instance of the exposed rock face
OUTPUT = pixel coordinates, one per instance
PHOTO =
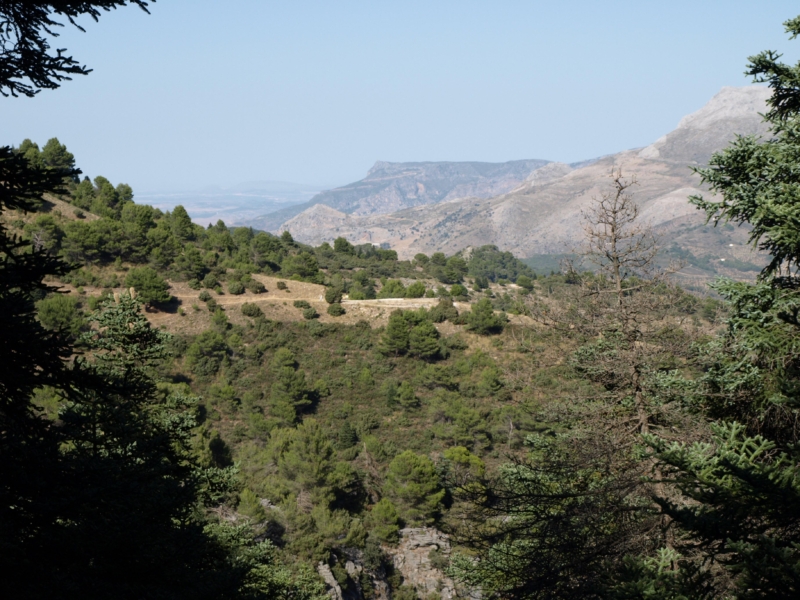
(353, 565)
(390, 187)
(412, 558)
(698, 135)
(334, 589)
(542, 213)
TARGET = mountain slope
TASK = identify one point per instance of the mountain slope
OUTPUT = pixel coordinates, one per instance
(542, 215)
(390, 187)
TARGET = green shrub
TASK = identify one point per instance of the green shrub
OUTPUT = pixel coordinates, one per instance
(195, 284)
(301, 304)
(236, 288)
(310, 313)
(482, 319)
(204, 296)
(525, 283)
(405, 395)
(210, 281)
(457, 290)
(336, 310)
(150, 287)
(333, 295)
(251, 310)
(393, 288)
(255, 287)
(59, 312)
(415, 290)
(444, 311)
(282, 285)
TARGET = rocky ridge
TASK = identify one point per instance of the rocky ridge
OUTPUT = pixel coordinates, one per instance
(541, 214)
(391, 187)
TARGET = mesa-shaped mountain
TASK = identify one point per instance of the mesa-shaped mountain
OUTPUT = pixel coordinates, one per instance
(391, 187)
(541, 214)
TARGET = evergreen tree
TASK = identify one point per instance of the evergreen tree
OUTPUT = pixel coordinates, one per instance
(56, 156)
(423, 341)
(384, 521)
(107, 502)
(59, 312)
(482, 319)
(333, 295)
(395, 338)
(182, 225)
(738, 493)
(289, 393)
(393, 288)
(551, 526)
(415, 290)
(413, 484)
(340, 244)
(149, 285)
(30, 357)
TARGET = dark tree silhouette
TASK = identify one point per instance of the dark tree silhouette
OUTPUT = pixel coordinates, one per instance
(27, 62)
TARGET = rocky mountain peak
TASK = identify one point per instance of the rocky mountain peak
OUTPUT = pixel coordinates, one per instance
(734, 110)
(728, 103)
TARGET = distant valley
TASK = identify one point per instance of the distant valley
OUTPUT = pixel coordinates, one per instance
(235, 204)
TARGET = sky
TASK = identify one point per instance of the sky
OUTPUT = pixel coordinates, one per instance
(205, 92)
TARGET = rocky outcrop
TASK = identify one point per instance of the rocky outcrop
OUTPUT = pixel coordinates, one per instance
(352, 561)
(732, 111)
(412, 557)
(334, 589)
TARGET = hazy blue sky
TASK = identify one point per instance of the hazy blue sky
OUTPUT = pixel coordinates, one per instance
(211, 92)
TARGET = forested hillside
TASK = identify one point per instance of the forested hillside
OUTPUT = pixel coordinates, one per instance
(191, 412)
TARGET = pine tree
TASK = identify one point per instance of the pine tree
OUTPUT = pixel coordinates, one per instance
(150, 287)
(289, 393)
(395, 338)
(482, 319)
(423, 341)
(181, 223)
(413, 484)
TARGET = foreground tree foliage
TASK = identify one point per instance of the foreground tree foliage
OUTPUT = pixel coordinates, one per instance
(108, 500)
(551, 526)
(29, 64)
(739, 492)
(555, 525)
(727, 495)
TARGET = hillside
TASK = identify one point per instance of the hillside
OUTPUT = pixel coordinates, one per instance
(347, 392)
(390, 187)
(541, 215)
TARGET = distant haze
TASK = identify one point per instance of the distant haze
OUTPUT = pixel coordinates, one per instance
(240, 202)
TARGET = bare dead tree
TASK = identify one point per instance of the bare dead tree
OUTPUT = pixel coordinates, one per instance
(624, 311)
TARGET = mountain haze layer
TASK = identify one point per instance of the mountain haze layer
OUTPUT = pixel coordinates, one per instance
(390, 187)
(541, 214)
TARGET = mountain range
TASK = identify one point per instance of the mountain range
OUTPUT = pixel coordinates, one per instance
(533, 207)
(391, 187)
